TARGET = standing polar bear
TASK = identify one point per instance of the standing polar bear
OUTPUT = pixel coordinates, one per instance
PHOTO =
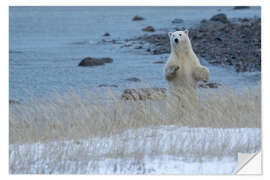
(183, 69)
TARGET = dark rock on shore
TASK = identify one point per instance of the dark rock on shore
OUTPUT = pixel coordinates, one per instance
(107, 85)
(106, 34)
(133, 79)
(220, 17)
(240, 7)
(159, 62)
(148, 29)
(236, 44)
(209, 85)
(176, 21)
(90, 61)
(143, 94)
(11, 101)
(137, 18)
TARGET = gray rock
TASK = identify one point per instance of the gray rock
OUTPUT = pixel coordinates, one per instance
(90, 61)
(209, 85)
(106, 34)
(148, 29)
(107, 85)
(159, 62)
(11, 101)
(144, 94)
(133, 79)
(176, 21)
(137, 18)
(240, 7)
(220, 17)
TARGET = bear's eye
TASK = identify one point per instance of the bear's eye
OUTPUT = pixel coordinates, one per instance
(180, 34)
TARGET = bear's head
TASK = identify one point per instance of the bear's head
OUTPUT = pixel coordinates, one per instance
(179, 41)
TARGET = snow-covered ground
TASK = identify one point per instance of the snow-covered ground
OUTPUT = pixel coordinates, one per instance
(156, 150)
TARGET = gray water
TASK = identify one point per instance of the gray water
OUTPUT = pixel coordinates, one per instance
(47, 43)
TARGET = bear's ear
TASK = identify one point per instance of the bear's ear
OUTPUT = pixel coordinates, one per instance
(169, 34)
(186, 31)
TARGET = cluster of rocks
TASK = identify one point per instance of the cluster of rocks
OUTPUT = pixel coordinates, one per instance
(220, 41)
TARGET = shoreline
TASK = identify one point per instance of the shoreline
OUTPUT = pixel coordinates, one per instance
(220, 41)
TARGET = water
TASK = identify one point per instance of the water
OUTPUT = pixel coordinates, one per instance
(47, 43)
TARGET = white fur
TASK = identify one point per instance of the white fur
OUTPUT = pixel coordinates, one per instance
(184, 81)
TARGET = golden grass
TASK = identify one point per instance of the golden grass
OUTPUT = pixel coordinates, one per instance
(73, 116)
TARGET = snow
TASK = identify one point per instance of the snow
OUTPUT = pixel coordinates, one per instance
(157, 150)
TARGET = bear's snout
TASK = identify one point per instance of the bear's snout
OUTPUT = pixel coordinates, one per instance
(176, 40)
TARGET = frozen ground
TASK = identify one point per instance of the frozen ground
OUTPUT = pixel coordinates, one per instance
(164, 150)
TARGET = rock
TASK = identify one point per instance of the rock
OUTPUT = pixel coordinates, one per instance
(209, 85)
(220, 17)
(90, 61)
(137, 18)
(106, 34)
(148, 29)
(203, 21)
(107, 85)
(240, 7)
(159, 62)
(143, 94)
(138, 47)
(11, 101)
(133, 79)
(176, 21)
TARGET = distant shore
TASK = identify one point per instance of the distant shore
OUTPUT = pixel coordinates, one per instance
(221, 41)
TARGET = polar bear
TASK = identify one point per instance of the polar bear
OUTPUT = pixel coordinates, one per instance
(183, 69)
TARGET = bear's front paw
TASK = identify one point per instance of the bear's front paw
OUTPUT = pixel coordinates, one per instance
(171, 72)
(204, 74)
(172, 69)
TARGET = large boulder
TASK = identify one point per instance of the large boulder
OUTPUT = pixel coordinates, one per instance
(220, 17)
(90, 61)
(143, 94)
(137, 18)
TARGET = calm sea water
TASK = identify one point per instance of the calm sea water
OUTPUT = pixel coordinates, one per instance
(47, 43)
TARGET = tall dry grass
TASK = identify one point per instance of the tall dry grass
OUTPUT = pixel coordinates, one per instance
(73, 116)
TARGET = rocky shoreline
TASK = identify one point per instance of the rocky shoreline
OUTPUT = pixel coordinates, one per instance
(221, 41)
